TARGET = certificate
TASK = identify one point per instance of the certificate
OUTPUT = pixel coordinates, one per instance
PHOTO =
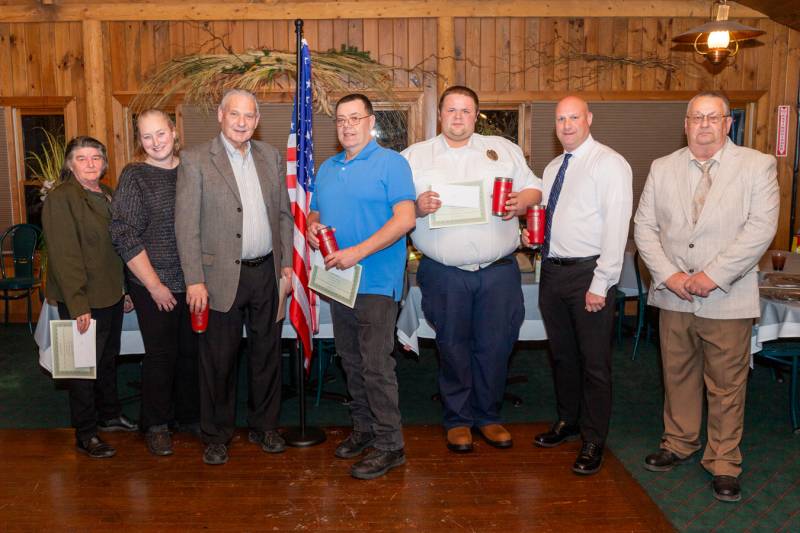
(69, 351)
(463, 204)
(339, 285)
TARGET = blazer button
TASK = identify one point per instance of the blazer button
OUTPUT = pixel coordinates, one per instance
(691, 245)
(239, 209)
(237, 261)
(238, 235)
(691, 270)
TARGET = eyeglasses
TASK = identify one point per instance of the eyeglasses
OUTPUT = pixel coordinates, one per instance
(712, 119)
(350, 121)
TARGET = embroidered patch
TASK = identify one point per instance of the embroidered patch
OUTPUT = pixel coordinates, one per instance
(491, 154)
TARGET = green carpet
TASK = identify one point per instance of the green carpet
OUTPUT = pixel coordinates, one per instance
(770, 481)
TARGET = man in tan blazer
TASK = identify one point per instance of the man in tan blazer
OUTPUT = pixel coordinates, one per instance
(234, 230)
(706, 215)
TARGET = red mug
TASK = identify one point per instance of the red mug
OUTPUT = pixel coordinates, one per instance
(502, 188)
(200, 320)
(327, 241)
(535, 219)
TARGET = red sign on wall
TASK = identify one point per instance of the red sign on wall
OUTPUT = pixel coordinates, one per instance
(781, 143)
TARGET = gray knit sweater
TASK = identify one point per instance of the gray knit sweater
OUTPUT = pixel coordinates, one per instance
(143, 218)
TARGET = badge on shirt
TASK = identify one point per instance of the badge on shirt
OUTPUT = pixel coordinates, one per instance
(491, 154)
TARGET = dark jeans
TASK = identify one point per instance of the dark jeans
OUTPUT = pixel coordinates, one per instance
(255, 306)
(476, 316)
(170, 382)
(580, 346)
(91, 400)
(364, 339)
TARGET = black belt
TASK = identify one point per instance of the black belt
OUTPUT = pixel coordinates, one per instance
(255, 262)
(569, 261)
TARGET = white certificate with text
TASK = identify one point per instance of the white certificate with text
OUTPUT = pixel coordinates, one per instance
(339, 285)
(463, 204)
(70, 350)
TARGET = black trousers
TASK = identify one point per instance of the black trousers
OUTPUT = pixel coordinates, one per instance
(170, 381)
(91, 400)
(365, 340)
(255, 307)
(580, 346)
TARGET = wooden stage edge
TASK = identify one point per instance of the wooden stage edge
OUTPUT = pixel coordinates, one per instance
(46, 485)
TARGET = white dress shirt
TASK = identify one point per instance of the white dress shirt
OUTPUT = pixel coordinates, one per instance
(593, 211)
(256, 231)
(482, 158)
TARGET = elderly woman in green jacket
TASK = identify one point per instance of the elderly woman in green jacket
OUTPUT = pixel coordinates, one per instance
(86, 279)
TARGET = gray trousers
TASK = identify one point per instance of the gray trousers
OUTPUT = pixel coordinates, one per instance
(364, 339)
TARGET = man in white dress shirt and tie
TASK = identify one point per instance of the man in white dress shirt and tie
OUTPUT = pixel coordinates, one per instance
(589, 200)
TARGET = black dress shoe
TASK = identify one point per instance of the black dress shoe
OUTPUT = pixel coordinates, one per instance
(120, 423)
(270, 441)
(663, 461)
(355, 444)
(589, 460)
(159, 440)
(95, 448)
(215, 454)
(726, 488)
(560, 432)
(377, 463)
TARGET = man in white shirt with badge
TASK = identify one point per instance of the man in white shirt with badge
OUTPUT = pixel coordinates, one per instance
(589, 200)
(470, 281)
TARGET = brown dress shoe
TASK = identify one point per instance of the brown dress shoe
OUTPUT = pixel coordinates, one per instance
(496, 435)
(459, 439)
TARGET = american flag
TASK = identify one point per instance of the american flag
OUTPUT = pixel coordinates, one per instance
(300, 181)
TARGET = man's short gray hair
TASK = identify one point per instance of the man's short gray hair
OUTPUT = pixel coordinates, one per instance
(711, 94)
(237, 92)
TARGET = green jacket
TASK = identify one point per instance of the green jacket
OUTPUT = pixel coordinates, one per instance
(84, 271)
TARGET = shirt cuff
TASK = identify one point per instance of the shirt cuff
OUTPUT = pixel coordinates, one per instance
(598, 287)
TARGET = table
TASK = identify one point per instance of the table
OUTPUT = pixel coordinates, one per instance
(131, 339)
(412, 325)
(778, 319)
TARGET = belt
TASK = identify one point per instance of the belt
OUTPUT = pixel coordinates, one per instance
(483, 266)
(569, 261)
(257, 261)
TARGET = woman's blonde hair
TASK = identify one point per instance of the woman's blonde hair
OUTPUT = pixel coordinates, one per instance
(139, 154)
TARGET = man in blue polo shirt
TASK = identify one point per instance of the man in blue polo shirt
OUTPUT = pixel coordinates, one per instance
(366, 194)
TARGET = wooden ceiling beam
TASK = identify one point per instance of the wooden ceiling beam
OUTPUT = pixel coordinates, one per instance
(201, 10)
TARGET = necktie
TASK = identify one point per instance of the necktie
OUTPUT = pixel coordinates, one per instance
(552, 200)
(701, 192)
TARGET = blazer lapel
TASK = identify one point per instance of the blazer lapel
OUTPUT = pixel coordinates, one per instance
(219, 158)
(264, 175)
(684, 187)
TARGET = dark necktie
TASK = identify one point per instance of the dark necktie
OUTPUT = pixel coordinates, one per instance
(555, 191)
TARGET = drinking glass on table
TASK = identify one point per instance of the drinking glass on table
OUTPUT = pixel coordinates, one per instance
(778, 260)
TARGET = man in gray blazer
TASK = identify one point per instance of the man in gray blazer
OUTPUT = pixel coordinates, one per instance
(706, 215)
(234, 230)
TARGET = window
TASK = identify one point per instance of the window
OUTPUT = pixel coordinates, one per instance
(39, 133)
(500, 122)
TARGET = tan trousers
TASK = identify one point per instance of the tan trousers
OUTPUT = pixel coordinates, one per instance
(697, 351)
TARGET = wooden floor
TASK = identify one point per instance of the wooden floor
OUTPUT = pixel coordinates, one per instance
(46, 486)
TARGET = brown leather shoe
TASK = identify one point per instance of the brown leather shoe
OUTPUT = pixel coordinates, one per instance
(496, 435)
(459, 439)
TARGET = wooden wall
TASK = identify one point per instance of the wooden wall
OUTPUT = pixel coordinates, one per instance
(506, 58)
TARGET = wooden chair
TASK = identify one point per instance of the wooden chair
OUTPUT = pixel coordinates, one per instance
(22, 240)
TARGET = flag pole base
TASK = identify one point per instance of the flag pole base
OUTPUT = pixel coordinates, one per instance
(303, 437)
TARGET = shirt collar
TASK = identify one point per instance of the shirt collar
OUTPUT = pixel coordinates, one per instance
(716, 157)
(472, 143)
(233, 152)
(584, 148)
(365, 152)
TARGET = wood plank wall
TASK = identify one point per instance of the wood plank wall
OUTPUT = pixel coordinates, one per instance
(506, 58)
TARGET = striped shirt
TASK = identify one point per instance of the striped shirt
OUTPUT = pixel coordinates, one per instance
(256, 231)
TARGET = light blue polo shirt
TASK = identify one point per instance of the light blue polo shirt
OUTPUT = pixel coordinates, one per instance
(356, 197)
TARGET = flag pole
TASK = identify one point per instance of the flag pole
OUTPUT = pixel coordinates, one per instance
(302, 435)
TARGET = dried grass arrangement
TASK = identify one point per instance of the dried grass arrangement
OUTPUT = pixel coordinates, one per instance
(203, 78)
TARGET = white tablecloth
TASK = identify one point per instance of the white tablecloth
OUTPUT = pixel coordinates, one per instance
(779, 319)
(131, 340)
